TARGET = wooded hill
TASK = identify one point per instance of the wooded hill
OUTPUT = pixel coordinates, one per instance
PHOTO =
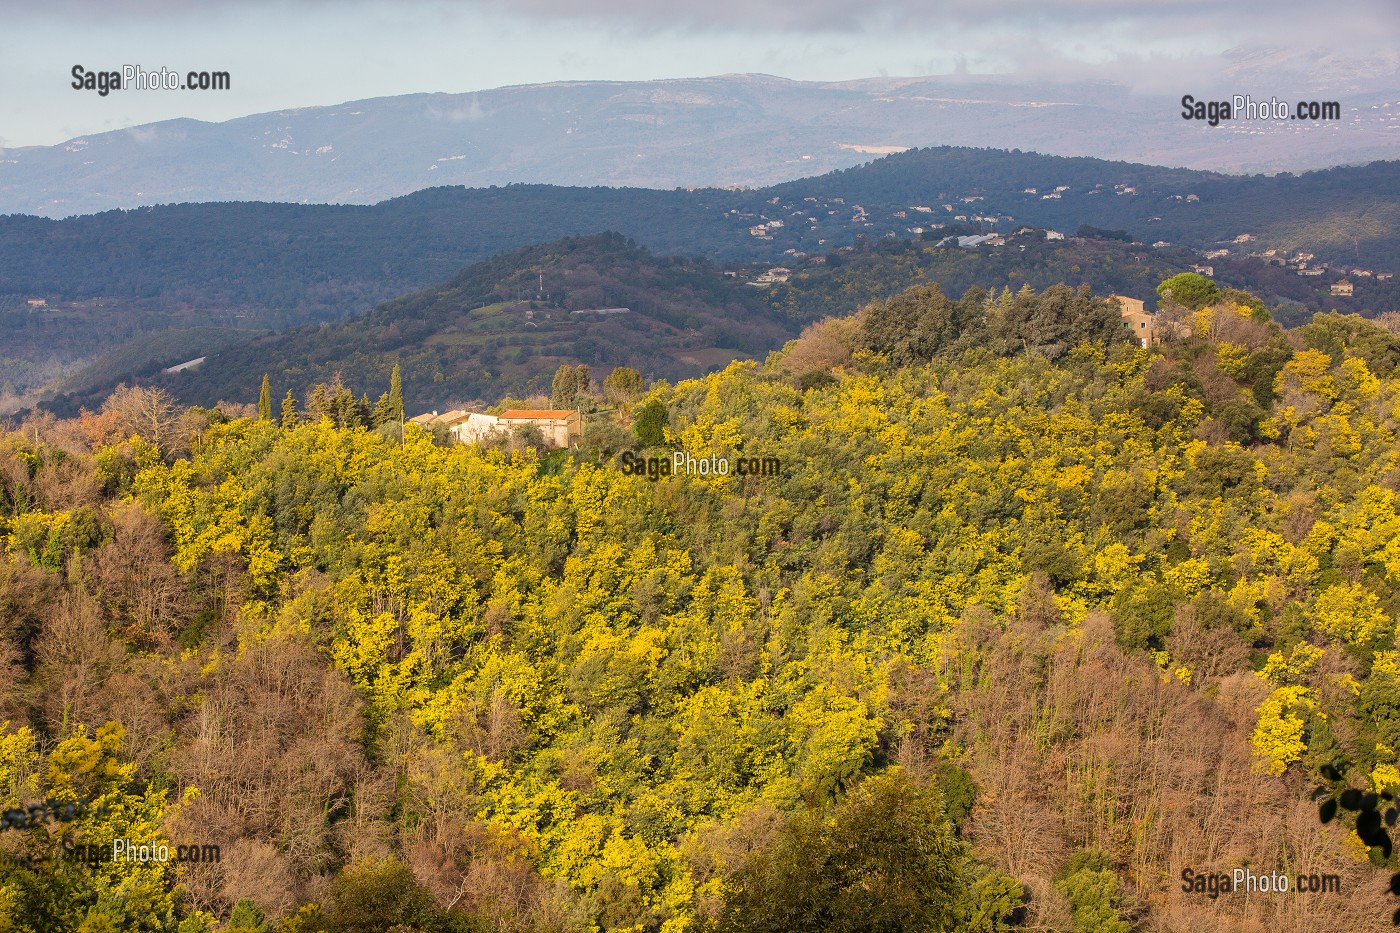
(271, 266)
(492, 331)
(1031, 620)
(117, 277)
(325, 260)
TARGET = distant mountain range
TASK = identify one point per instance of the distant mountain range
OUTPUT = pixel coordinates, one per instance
(750, 130)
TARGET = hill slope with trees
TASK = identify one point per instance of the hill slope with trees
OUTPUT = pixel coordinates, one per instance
(1029, 621)
(120, 274)
(504, 326)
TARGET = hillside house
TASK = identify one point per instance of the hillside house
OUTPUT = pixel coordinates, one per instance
(428, 419)
(1342, 289)
(462, 425)
(1137, 319)
(446, 418)
(561, 427)
(476, 426)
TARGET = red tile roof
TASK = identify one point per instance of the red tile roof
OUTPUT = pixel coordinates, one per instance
(538, 414)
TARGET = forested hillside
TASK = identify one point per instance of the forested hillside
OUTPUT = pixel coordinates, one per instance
(842, 280)
(321, 260)
(119, 276)
(502, 327)
(1343, 213)
(1030, 621)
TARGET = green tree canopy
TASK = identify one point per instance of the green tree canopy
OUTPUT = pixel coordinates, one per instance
(1190, 289)
(651, 424)
(885, 860)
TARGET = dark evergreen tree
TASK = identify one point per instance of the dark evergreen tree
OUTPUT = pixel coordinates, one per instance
(570, 385)
(265, 400)
(289, 410)
(383, 412)
(396, 412)
(651, 424)
(318, 406)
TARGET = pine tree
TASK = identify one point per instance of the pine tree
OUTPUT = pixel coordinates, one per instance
(383, 412)
(289, 410)
(396, 394)
(343, 407)
(265, 400)
(318, 406)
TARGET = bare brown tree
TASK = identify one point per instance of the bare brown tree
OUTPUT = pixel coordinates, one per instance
(75, 656)
(145, 596)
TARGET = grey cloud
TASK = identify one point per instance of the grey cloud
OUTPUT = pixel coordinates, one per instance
(1122, 23)
(1302, 17)
(1342, 43)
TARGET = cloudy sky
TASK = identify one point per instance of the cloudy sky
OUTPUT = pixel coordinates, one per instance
(293, 53)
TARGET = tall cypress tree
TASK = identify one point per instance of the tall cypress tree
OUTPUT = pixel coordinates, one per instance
(396, 394)
(289, 410)
(265, 400)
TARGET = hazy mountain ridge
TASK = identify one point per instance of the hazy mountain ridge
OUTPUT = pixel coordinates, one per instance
(749, 130)
(274, 266)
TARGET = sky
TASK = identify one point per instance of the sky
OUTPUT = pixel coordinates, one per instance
(283, 54)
